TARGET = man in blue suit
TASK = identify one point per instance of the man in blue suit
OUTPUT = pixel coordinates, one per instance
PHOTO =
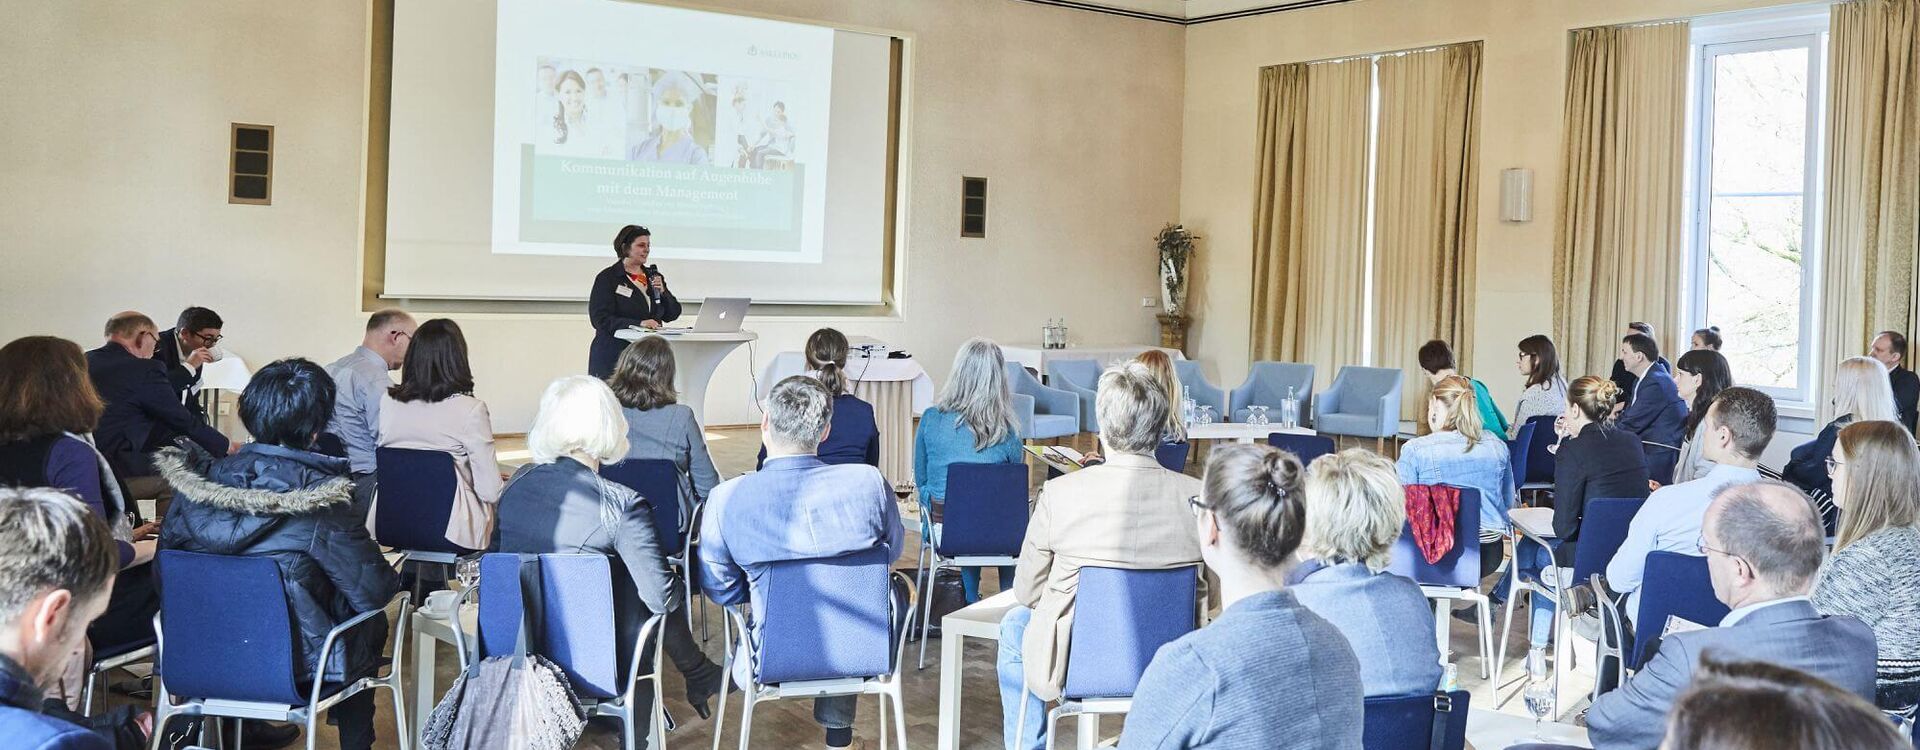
(1656, 412)
(55, 574)
(144, 410)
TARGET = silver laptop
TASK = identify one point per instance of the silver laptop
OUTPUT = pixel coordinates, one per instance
(721, 314)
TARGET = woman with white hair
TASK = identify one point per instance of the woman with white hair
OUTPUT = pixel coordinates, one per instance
(1355, 510)
(560, 503)
(1861, 392)
(672, 141)
(972, 423)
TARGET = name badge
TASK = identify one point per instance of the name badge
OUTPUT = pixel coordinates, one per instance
(624, 291)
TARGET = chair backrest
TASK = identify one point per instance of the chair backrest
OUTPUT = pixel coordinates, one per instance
(208, 652)
(827, 619)
(1603, 528)
(1661, 461)
(1517, 450)
(1173, 456)
(1267, 384)
(1121, 617)
(1020, 379)
(1460, 567)
(986, 510)
(1539, 459)
(1405, 722)
(1304, 447)
(416, 489)
(574, 626)
(1362, 387)
(1084, 373)
(1677, 585)
(658, 482)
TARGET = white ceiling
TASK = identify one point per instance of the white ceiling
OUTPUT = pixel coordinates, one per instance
(1187, 11)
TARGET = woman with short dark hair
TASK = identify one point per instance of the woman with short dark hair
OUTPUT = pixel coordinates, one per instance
(433, 409)
(630, 294)
(278, 498)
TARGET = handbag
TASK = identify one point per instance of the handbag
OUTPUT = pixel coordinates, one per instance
(517, 701)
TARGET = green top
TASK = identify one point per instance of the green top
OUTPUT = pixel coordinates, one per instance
(1490, 416)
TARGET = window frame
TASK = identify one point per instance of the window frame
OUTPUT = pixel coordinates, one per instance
(1802, 30)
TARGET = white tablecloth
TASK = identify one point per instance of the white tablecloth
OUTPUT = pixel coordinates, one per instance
(898, 389)
(1035, 358)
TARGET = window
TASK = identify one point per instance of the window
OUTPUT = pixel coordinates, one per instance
(1755, 178)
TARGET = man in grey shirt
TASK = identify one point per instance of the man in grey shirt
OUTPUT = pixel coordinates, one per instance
(359, 380)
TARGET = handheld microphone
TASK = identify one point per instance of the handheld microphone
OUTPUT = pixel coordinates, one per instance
(653, 272)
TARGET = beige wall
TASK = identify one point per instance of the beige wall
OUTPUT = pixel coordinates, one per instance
(115, 121)
(1523, 80)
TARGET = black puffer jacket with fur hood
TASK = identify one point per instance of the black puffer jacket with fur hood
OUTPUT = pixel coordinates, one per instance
(296, 507)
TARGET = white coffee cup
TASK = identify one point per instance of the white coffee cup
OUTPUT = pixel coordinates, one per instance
(440, 604)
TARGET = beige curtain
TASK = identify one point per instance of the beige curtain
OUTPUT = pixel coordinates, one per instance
(1425, 209)
(1310, 201)
(1618, 253)
(1873, 177)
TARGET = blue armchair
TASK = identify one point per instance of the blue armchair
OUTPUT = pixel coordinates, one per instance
(1201, 391)
(1362, 402)
(1045, 412)
(1267, 384)
(1080, 377)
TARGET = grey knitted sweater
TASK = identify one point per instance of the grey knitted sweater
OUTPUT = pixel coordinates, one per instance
(1877, 580)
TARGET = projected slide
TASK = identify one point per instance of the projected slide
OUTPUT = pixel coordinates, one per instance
(709, 129)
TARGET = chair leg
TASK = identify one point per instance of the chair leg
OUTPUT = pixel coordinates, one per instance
(1486, 637)
(1506, 633)
(926, 618)
(726, 676)
(401, 727)
(629, 739)
(86, 693)
(899, 713)
(313, 717)
(1021, 728)
(1047, 732)
(746, 719)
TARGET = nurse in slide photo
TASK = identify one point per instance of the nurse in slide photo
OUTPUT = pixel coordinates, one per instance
(672, 140)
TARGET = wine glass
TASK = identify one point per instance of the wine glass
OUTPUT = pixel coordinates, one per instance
(1206, 414)
(1257, 414)
(467, 569)
(1539, 695)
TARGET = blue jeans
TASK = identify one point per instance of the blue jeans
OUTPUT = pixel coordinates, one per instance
(1532, 560)
(970, 580)
(1012, 681)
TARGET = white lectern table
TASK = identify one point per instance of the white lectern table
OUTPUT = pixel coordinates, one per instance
(695, 357)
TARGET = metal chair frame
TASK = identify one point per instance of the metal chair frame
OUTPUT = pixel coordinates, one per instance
(108, 664)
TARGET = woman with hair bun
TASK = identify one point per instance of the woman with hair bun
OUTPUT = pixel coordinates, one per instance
(1707, 338)
(852, 436)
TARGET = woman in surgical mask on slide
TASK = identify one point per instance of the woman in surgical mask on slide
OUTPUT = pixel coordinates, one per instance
(672, 139)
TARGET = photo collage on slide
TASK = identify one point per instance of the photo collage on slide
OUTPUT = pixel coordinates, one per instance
(591, 110)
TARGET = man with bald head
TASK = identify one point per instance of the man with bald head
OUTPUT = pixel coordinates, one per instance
(144, 411)
(1763, 544)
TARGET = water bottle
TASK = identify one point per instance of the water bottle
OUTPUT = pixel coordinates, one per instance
(1062, 342)
(1290, 410)
(1047, 334)
(1186, 405)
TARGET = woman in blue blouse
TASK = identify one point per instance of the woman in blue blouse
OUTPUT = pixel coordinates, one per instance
(972, 423)
(1463, 453)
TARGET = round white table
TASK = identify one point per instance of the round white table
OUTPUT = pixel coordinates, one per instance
(695, 357)
(1240, 432)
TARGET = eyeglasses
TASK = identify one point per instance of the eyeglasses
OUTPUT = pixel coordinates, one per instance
(208, 340)
(1195, 504)
(1834, 465)
(1704, 549)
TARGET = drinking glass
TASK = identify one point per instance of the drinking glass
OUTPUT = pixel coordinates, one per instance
(467, 569)
(1257, 415)
(1206, 414)
(1539, 694)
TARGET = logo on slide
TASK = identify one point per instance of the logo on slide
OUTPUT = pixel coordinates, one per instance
(756, 51)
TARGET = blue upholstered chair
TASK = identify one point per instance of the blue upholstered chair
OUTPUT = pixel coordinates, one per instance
(1540, 460)
(1603, 528)
(216, 663)
(1454, 577)
(833, 627)
(1173, 456)
(1267, 384)
(1518, 453)
(1407, 722)
(1304, 447)
(984, 524)
(1362, 402)
(1677, 585)
(1080, 377)
(1194, 379)
(573, 627)
(1121, 617)
(415, 499)
(658, 481)
(1046, 412)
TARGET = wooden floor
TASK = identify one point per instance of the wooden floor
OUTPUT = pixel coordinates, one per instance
(789, 724)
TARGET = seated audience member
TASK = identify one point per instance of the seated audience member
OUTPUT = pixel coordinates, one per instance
(560, 504)
(1161, 366)
(1218, 686)
(185, 349)
(971, 423)
(1546, 390)
(796, 507)
(1860, 394)
(1461, 452)
(1655, 411)
(47, 408)
(277, 498)
(361, 381)
(854, 437)
(1752, 705)
(55, 570)
(1625, 378)
(1125, 513)
(658, 426)
(1437, 359)
(1596, 460)
(1355, 510)
(1873, 574)
(1706, 338)
(144, 412)
(1890, 350)
(1763, 546)
(1698, 377)
(433, 409)
(1738, 427)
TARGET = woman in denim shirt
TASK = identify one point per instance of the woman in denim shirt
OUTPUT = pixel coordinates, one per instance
(1461, 452)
